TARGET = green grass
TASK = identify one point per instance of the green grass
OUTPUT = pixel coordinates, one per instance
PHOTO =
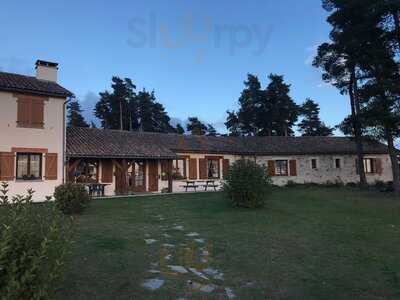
(308, 243)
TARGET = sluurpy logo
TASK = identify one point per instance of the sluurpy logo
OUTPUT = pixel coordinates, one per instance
(199, 34)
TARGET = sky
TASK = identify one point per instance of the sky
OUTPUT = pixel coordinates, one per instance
(195, 54)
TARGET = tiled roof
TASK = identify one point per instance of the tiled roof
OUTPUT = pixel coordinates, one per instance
(27, 84)
(88, 142)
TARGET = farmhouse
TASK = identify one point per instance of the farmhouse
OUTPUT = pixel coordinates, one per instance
(38, 152)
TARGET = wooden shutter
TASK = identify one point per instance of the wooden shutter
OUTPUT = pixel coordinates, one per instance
(378, 166)
(24, 112)
(203, 168)
(51, 166)
(293, 167)
(37, 113)
(225, 168)
(271, 168)
(7, 162)
(107, 171)
(193, 169)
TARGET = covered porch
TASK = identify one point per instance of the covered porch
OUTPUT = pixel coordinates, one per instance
(122, 176)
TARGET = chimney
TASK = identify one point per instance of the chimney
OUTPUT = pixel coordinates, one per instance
(46, 70)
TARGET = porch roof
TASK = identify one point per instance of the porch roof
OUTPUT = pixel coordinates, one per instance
(88, 142)
(95, 143)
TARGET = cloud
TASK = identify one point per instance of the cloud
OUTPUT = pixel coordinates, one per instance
(88, 103)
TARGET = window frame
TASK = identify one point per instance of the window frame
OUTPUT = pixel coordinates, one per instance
(217, 160)
(372, 165)
(316, 163)
(276, 167)
(338, 159)
(25, 177)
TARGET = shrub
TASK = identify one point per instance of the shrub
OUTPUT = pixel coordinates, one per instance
(34, 241)
(247, 184)
(71, 198)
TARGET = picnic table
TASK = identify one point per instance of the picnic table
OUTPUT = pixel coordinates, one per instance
(96, 189)
(192, 184)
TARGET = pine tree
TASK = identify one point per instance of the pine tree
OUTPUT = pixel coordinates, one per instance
(179, 129)
(196, 127)
(311, 124)
(74, 117)
(278, 112)
(211, 131)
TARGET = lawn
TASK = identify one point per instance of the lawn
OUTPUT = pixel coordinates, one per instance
(308, 243)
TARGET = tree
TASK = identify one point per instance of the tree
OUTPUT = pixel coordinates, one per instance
(114, 108)
(264, 112)
(125, 110)
(179, 129)
(74, 117)
(92, 124)
(211, 131)
(278, 112)
(196, 127)
(368, 32)
(232, 124)
(311, 124)
(248, 101)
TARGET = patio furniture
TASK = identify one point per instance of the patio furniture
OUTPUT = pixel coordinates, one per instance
(190, 185)
(96, 189)
(210, 184)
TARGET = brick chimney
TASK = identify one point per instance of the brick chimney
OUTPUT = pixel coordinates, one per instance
(46, 70)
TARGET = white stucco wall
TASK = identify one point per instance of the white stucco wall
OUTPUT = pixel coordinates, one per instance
(50, 137)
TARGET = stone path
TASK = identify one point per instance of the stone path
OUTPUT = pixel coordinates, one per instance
(187, 261)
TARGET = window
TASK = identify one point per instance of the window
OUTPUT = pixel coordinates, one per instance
(337, 163)
(213, 168)
(30, 112)
(281, 167)
(179, 169)
(369, 165)
(87, 172)
(29, 166)
(314, 164)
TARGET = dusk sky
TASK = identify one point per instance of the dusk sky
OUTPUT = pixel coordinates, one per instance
(194, 54)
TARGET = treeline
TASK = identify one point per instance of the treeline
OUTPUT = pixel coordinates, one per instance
(272, 112)
(262, 112)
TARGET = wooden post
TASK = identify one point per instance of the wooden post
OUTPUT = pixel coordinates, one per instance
(170, 185)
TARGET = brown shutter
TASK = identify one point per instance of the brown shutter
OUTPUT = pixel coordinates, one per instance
(378, 166)
(193, 169)
(271, 168)
(24, 112)
(51, 166)
(225, 168)
(203, 168)
(7, 160)
(37, 111)
(107, 171)
(293, 167)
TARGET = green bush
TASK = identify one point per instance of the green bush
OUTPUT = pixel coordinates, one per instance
(34, 241)
(248, 184)
(71, 198)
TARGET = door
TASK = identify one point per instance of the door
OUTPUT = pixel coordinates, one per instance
(153, 176)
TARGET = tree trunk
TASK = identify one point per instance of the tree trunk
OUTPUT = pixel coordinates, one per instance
(394, 161)
(120, 116)
(355, 109)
